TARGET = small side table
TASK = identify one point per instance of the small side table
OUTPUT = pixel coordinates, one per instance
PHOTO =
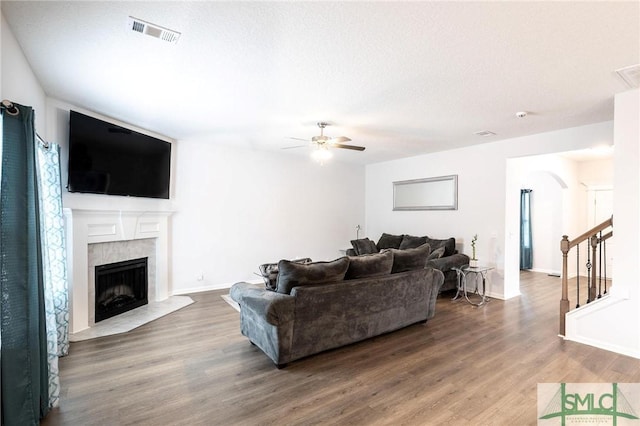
(478, 272)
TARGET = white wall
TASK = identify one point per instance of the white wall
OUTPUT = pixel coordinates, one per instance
(239, 208)
(614, 323)
(19, 83)
(483, 205)
(596, 172)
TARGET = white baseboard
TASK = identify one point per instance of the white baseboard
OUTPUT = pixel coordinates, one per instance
(546, 271)
(606, 346)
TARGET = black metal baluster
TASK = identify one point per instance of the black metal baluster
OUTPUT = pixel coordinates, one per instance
(604, 247)
(578, 276)
(600, 266)
(589, 278)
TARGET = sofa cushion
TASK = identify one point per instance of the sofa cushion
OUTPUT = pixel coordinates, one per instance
(410, 259)
(448, 244)
(369, 265)
(388, 241)
(293, 274)
(269, 272)
(409, 241)
(436, 254)
(364, 246)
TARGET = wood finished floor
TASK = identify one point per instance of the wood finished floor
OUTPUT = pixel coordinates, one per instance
(466, 366)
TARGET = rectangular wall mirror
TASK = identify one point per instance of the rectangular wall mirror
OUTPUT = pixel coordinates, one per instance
(437, 193)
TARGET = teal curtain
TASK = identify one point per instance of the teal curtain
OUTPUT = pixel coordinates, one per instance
(28, 370)
(526, 247)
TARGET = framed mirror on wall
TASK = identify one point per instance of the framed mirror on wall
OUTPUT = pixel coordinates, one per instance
(437, 193)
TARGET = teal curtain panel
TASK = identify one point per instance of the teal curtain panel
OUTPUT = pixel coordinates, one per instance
(34, 312)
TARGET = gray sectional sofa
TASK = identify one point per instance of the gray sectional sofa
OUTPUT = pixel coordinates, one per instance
(443, 256)
(325, 305)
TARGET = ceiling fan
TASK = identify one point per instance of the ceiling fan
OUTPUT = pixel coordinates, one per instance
(322, 144)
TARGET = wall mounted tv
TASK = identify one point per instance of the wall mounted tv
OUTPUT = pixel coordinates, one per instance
(109, 159)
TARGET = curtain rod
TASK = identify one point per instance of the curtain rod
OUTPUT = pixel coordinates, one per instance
(43, 142)
(11, 109)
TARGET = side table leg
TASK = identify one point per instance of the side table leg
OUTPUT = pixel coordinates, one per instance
(459, 286)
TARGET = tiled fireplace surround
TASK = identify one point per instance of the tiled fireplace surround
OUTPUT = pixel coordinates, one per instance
(97, 237)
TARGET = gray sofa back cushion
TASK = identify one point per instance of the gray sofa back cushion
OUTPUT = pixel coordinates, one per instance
(448, 244)
(364, 246)
(292, 274)
(389, 241)
(410, 259)
(409, 241)
(369, 265)
(269, 272)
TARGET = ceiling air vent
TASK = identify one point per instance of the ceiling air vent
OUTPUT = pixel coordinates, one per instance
(630, 75)
(153, 30)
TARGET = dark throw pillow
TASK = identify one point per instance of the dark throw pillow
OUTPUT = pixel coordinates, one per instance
(409, 241)
(369, 265)
(436, 254)
(269, 272)
(388, 241)
(293, 274)
(410, 259)
(448, 244)
(364, 246)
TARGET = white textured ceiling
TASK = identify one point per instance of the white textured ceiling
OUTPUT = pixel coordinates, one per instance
(399, 78)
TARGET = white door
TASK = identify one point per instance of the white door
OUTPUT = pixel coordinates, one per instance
(600, 209)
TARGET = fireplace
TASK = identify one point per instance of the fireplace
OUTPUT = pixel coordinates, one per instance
(120, 287)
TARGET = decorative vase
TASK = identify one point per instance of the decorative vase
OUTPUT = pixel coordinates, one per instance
(473, 263)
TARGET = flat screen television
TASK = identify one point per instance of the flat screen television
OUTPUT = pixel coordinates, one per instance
(109, 159)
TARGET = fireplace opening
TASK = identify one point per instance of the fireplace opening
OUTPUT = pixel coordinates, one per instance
(120, 287)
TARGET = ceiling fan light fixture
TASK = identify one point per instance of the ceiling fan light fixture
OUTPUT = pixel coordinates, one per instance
(321, 154)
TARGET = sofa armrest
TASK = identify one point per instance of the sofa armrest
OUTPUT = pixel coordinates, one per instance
(275, 308)
(437, 278)
(445, 264)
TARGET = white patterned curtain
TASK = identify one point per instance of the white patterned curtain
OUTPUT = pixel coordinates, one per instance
(55, 263)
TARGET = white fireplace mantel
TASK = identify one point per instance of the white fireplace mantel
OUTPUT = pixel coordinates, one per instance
(86, 227)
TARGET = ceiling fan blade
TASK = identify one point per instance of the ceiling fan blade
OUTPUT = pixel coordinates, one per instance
(296, 146)
(299, 139)
(340, 139)
(353, 147)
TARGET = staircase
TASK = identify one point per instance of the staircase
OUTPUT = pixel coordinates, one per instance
(595, 246)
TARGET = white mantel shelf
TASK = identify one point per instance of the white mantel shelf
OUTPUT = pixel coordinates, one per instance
(86, 227)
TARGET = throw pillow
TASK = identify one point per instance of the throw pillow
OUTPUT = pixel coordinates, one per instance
(293, 274)
(409, 241)
(448, 244)
(410, 259)
(369, 265)
(364, 246)
(269, 272)
(436, 254)
(388, 241)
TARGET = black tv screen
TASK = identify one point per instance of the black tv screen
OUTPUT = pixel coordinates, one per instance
(109, 159)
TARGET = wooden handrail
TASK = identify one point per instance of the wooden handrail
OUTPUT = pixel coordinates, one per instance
(591, 232)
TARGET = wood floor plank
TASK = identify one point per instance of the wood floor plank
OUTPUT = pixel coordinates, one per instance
(466, 366)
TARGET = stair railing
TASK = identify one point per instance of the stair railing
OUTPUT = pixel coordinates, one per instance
(596, 271)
